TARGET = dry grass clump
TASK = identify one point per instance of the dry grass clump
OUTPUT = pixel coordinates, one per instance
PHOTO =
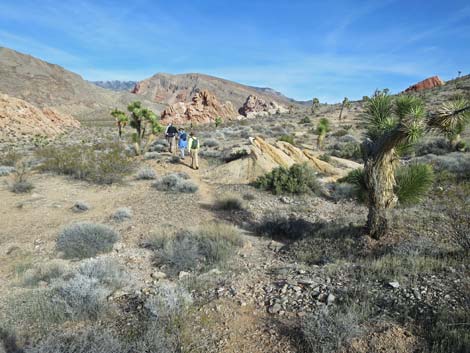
(82, 240)
(228, 202)
(146, 173)
(196, 249)
(175, 183)
(122, 214)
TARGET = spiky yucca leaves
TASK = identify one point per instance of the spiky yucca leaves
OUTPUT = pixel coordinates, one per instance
(121, 120)
(412, 183)
(315, 104)
(322, 129)
(451, 119)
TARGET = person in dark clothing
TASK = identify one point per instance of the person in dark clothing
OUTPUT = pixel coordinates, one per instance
(170, 133)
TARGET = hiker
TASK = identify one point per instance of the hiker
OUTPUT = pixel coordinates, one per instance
(193, 148)
(182, 141)
(170, 134)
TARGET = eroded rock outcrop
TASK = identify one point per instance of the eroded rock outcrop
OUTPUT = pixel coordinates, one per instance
(19, 119)
(204, 108)
(430, 82)
(264, 157)
(256, 106)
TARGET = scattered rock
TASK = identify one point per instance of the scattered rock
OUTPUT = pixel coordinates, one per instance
(256, 106)
(394, 285)
(80, 206)
(158, 275)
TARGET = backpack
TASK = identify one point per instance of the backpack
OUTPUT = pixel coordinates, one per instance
(194, 144)
(183, 137)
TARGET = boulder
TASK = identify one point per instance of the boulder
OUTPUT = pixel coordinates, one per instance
(19, 118)
(430, 82)
(265, 156)
(204, 108)
(256, 106)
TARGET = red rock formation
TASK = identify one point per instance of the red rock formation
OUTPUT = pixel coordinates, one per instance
(258, 106)
(430, 82)
(204, 108)
(19, 119)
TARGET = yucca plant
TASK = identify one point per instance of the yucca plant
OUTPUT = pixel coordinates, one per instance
(394, 124)
(144, 121)
(322, 129)
(315, 104)
(121, 120)
(344, 104)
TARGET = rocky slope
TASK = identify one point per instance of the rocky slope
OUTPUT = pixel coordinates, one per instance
(170, 89)
(204, 108)
(21, 119)
(118, 86)
(48, 85)
(255, 106)
(428, 83)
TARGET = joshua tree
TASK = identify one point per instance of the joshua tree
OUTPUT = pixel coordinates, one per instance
(315, 104)
(322, 128)
(345, 104)
(392, 125)
(218, 121)
(453, 131)
(143, 120)
(459, 73)
(121, 120)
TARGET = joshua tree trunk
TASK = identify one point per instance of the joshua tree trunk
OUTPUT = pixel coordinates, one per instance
(320, 139)
(341, 112)
(380, 180)
(120, 129)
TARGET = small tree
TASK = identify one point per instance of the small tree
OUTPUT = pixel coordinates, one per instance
(344, 104)
(218, 121)
(322, 129)
(121, 120)
(315, 104)
(144, 121)
(392, 125)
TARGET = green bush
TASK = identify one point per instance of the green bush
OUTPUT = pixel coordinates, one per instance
(298, 179)
(99, 164)
(82, 240)
(287, 138)
(305, 120)
(350, 150)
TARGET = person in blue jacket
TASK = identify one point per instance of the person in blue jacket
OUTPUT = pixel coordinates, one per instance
(182, 141)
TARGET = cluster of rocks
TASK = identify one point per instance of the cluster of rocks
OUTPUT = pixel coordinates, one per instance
(256, 106)
(204, 108)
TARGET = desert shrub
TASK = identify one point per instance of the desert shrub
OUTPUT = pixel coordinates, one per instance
(305, 120)
(45, 272)
(10, 158)
(344, 191)
(210, 154)
(457, 204)
(287, 138)
(82, 240)
(146, 173)
(413, 182)
(21, 187)
(437, 147)
(80, 206)
(298, 179)
(340, 132)
(192, 250)
(457, 163)
(234, 155)
(106, 271)
(175, 183)
(325, 157)
(122, 214)
(332, 329)
(283, 227)
(6, 170)
(349, 150)
(249, 197)
(174, 159)
(151, 155)
(228, 202)
(158, 148)
(106, 166)
(210, 143)
(87, 340)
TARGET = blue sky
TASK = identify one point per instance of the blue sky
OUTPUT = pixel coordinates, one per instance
(327, 49)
